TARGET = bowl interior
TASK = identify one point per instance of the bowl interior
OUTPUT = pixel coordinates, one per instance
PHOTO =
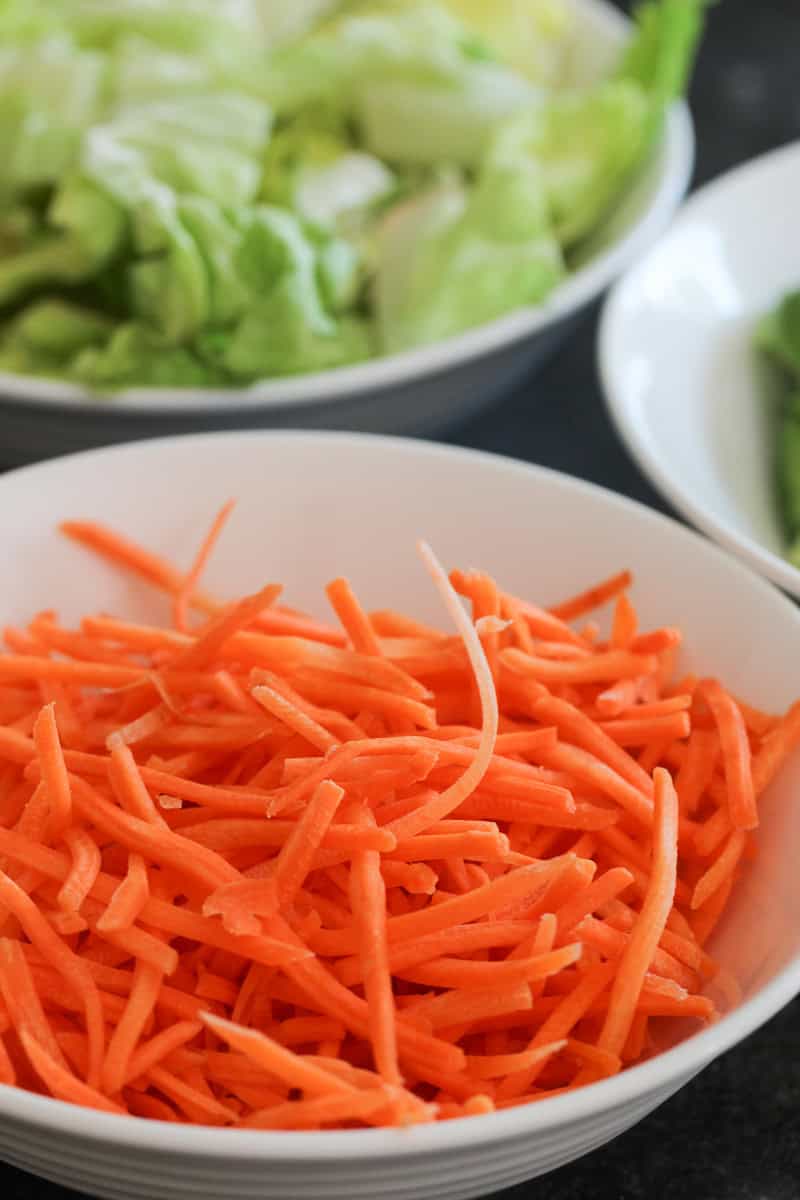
(312, 506)
(684, 384)
(638, 218)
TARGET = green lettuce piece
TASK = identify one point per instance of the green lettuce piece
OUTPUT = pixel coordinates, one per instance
(532, 36)
(169, 284)
(295, 285)
(778, 334)
(25, 21)
(209, 145)
(312, 167)
(457, 258)
(138, 356)
(285, 21)
(585, 146)
(589, 143)
(340, 273)
(60, 328)
(660, 55)
(777, 337)
(450, 119)
(276, 338)
(141, 71)
(44, 337)
(213, 28)
(416, 41)
(217, 237)
(83, 231)
(49, 93)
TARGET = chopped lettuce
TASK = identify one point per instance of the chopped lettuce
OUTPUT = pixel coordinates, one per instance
(585, 145)
(216, 191)
(137, 356)
(317, 172)
(448, 119)
(532, 36)
(459, 258)
(417, 42)
(50, 92)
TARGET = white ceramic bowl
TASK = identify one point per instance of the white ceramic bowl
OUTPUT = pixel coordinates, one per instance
(413, 392)
(683, 383)
(356, 504)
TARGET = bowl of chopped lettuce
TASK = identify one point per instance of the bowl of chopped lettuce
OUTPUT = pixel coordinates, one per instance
(376, 214)
(699, 351)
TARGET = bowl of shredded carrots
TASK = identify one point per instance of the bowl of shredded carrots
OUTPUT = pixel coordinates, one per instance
(375, 817)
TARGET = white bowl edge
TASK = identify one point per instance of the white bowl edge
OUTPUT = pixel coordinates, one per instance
(669, 1068)
(757, 556)
(674, 158)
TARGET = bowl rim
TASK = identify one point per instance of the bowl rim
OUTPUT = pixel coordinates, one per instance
(611, 344)
(674, 157)
(655, 1078)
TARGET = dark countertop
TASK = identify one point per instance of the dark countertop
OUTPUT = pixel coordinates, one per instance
(734, 1133)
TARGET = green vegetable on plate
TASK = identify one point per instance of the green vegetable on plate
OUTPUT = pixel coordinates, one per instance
(778, 338)
(213, 192)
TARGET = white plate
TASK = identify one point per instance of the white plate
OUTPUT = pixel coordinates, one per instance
(312, 506)
(417, 391)
(683, 383)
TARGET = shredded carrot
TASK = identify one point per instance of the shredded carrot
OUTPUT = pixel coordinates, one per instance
(735, 749)
(262, 872)
(652, 919)
(182, 600)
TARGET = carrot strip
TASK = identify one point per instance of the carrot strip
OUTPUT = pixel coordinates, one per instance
(491, 1066)
(282, 708)
(466, 975)
(724, 866)
(240, 903)
(223, 628)
(62, 1083)
(22, 1001)
(128, 900)
(54, 772)
(697, 769)
(652, 919)
(276, 1060)
(129, 788)
(138, 1011)
(368, 902)
(735, 749)
(86, 862)
(595, 668)
(593, 597)
(182, 600)
(355, 621)
(69, 966)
